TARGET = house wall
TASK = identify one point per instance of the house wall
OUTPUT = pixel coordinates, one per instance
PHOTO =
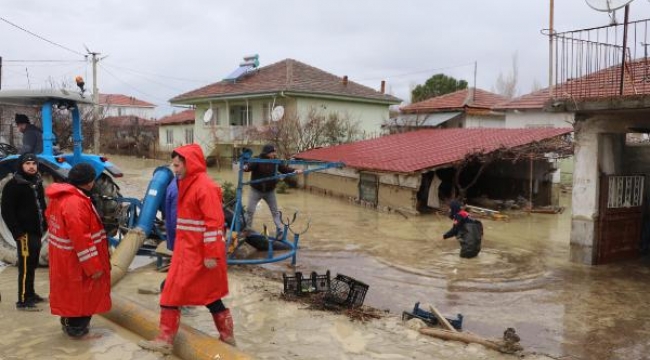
(517, 119)
(145, 113)
(369, 116)
(399, 198)
(599, 147)
(179, 136)
(395, 191)
(219, 130)
(475, 121)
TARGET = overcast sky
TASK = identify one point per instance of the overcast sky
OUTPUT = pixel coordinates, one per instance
(157, 49)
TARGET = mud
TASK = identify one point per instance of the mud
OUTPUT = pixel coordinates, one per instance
(521, 279)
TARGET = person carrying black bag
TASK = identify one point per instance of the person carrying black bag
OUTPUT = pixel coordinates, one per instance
(467, 230)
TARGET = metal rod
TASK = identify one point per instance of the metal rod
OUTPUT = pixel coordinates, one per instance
(625, 23)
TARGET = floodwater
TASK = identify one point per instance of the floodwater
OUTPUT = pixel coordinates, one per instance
(521, 279)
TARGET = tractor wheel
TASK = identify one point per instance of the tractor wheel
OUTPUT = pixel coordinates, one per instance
(105, 195)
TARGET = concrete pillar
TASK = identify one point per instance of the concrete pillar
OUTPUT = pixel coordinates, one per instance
(585, 195)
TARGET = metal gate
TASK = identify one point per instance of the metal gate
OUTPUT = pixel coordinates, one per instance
(620, 218)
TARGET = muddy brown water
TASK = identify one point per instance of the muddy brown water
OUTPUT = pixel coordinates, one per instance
(521, 279)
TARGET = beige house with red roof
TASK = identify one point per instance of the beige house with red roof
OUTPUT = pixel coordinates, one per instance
(239, 105)
(607, 88)
(123, 105)
(176, 130)
(467, 108)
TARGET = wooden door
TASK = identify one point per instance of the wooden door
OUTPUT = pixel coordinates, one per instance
(620, 218)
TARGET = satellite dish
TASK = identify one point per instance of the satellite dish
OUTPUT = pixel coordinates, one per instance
(207, 117)
(607, 5)
(277, 113)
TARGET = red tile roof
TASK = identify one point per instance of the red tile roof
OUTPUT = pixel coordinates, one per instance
(289, 76)
(603, 83)
(128, 120)
(183, 117)
(425, 149)
(457, 100)
(122, 100)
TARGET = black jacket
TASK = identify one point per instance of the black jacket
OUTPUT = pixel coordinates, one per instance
(264, 170)
(23, 205)
(32, 140)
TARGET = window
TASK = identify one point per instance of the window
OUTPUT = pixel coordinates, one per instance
(189, 136)
(170, 136)
(368, 188)
(241, 115)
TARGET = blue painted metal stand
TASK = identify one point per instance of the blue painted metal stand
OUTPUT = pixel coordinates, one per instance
(235, 226)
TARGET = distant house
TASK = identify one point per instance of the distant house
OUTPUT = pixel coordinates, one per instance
(123, 105)
(129, 135)
(416, 170)
(467, 108)
(528, 111)
(176, 130)
(246, 101)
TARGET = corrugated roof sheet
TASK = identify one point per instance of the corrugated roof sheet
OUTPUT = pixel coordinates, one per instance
(423, 120)
(429, 148)
(289, 76)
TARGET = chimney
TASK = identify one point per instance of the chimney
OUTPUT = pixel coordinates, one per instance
(383, 87)
(345, 80)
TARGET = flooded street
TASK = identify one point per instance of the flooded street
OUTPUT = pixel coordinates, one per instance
(521, 279)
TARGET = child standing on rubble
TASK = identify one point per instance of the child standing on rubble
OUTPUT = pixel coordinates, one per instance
(467, 230)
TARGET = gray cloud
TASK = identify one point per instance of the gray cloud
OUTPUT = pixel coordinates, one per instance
(150, 44)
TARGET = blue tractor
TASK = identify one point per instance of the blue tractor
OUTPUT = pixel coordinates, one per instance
(55, 165)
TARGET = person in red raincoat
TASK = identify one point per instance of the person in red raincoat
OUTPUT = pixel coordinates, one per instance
(80, 283)
(198, 272)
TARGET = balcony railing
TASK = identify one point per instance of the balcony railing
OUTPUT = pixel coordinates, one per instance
(603, 61)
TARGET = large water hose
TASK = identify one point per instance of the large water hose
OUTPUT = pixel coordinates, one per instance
(129, 245)
(189, 343)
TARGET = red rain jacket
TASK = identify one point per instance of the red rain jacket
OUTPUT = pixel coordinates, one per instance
(199, 236)
(78, 248)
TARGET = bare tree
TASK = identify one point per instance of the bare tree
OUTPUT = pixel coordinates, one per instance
(506, 85)
(292, 134)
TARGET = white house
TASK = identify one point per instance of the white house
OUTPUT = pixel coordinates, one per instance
(228, 109)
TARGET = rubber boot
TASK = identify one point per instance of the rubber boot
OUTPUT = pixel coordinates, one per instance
(223, 322)
(170, 320)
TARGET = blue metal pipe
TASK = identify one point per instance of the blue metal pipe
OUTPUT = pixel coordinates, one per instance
(154, 196)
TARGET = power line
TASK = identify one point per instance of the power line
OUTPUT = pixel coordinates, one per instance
(43, 61)
(153, 81)
(40, 37)
(131, 86)
(158, 75)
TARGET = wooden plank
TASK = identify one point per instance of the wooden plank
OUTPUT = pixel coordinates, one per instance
(480, 209)
(441, 319)
(463, 337)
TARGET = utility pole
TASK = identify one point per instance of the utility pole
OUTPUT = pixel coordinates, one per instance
(96, 149)
(0, 72)
(550, 49)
